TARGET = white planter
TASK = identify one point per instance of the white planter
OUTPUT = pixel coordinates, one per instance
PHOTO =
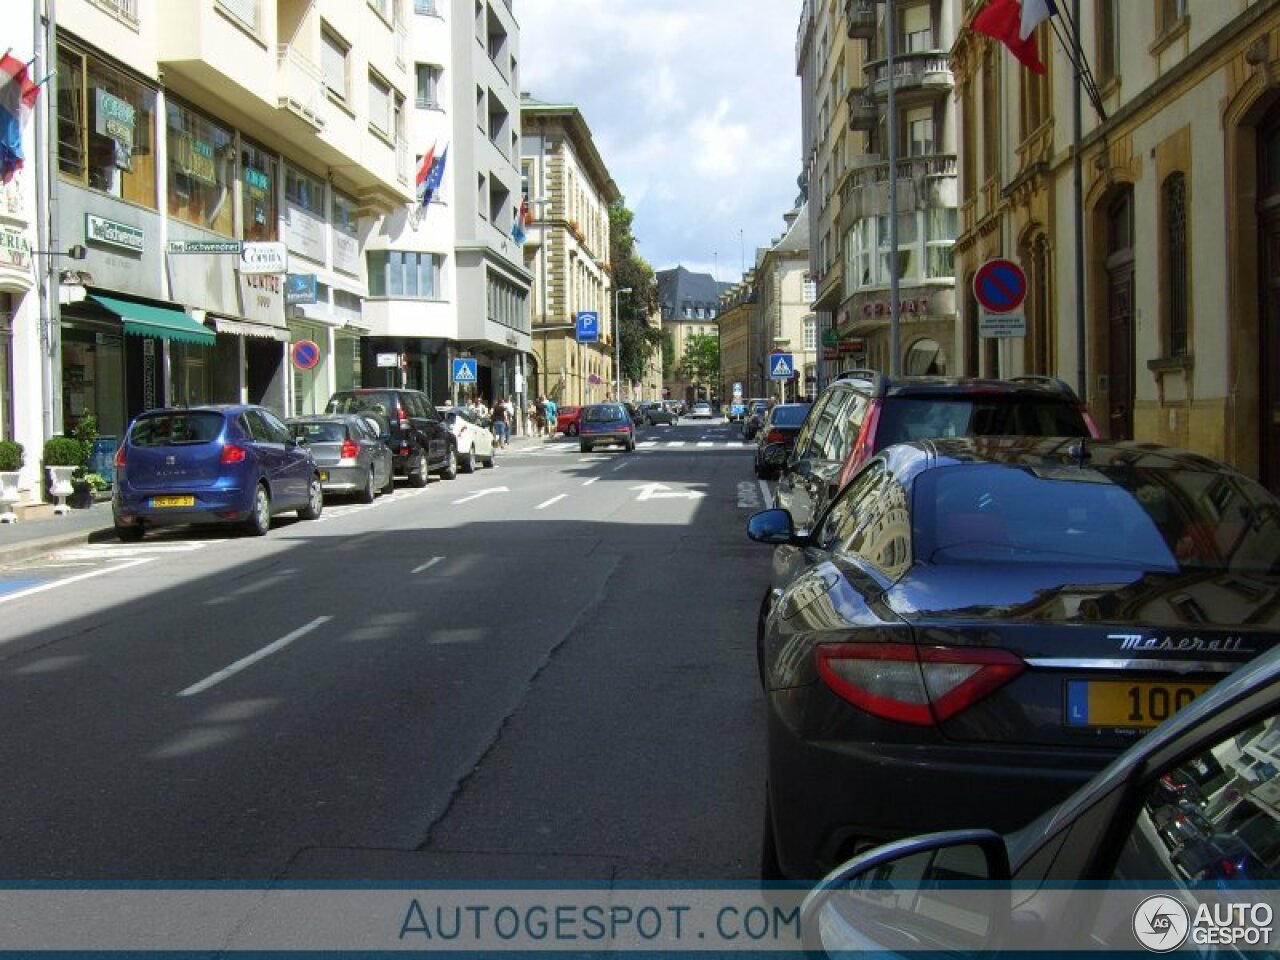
(60, 486)
(9, 495)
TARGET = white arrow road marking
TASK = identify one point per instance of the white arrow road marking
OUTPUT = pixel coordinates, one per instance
(556, 499)
(427, 566)
(251, 659)
(660, 491)
(482, 493)
(18, 594)
(587, 483)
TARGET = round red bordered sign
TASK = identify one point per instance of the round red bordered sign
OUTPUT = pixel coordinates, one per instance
(1000, 286)
(306, 354)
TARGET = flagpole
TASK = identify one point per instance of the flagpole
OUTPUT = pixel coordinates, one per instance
(1077, 183)
(895, 329)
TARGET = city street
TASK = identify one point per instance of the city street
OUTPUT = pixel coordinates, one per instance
(544, 671)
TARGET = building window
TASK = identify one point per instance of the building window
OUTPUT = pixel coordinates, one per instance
(990, 120)
(917, 29)
(260, 175)
(1108, 40)
(941, 240)
(428, 93)
(907, 259)
(246, 11)
(1035, 92)
(106, 129)
(810, 333)
(1171, 14)
(304, 191)
(346, 216)
(426, 8)
(920, 140)
(333, 62)
(968, 145)
(1175, 239)
(404, 273)
(201, 162)
(380, 105)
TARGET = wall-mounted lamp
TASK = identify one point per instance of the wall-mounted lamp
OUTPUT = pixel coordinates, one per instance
(78, 252)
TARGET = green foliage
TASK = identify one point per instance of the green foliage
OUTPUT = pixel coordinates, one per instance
(637, 338)
(668, 356)
(701, 361)
(11, 458)
(64, 452)
(97, 482)
(85, 433)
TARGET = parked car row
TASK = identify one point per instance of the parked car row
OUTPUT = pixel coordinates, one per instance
(241, 464)
(975, 604)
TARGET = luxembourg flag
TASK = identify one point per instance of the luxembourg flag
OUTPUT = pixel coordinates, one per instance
(424, 171)
(1014, 24)
(17, 96)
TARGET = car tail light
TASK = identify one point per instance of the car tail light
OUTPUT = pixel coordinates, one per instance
(775, 436)
(866, 444)
(232, 453)
(1228, 868)
(349, 450)
(399, 415)
(1090, 422)
(120, 457)
(919, 686)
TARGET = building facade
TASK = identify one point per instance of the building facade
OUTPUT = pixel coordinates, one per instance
(783, 318)
(569, 191)
(690, 306)
(1181, 172)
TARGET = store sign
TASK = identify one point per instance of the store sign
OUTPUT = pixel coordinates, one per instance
(113, 233)
(256, 180)
(388, 359)
(262, 298)
(853, 345)
(264, 258)
(114, 118)
(15, 249)
(209, 247)
(193, 157)
(300, 288)
(883, 308)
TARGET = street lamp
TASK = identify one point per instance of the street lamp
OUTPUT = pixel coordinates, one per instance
(617, 352)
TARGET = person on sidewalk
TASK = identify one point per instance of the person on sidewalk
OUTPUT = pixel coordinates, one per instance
(500, 426)
(552, 411)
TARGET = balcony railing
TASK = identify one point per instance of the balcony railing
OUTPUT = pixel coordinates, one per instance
(864, 113)
(909, 168)
(861, 15)
(404, 161)
(929, 68)
(126, 10)
(301, 85)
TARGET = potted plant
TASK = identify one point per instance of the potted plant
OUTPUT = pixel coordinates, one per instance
(11, 460)
(85, 433)
(63, 456)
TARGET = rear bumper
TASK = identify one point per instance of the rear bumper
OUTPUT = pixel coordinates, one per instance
(343, 479)
(623, 438)
(213, 505)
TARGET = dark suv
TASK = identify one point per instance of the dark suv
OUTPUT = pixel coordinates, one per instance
(411, 426)
(864, 411)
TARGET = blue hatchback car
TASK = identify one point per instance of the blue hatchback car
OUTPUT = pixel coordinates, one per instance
(217, 464)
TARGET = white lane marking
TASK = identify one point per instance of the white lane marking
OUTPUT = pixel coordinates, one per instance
(482, 493)
(647, 443)
(19, 594)
(675, 443)
(766, 493)
(427, 566)
(587, 483)
(620, 466)
(660, 491)
(556, 499)
(245, 662)
(705, 443)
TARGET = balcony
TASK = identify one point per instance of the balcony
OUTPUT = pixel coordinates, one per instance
(861, 17)
(916, 169)
(123, 10)
(301, 86)
(864, 113)
(926, 70)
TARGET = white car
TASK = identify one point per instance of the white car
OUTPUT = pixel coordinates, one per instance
(475, 439)
(701, 409)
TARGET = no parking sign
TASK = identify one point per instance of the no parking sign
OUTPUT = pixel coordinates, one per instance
(1000, 287)
(305, 354)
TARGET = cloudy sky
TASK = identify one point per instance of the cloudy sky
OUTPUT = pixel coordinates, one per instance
(694, 106)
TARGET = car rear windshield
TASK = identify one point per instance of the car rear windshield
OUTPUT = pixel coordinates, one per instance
(605, 414)
(373, 402)
(320, 432)
(1153, 519)
(790, 415)
(905, 418)
(175, 429)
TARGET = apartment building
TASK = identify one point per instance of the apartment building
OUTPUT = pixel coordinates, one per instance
(569, 191)
(783, 318)
(690, 306)
(1180, 172)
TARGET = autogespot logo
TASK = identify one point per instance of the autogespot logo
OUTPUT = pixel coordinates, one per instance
(1161, 923)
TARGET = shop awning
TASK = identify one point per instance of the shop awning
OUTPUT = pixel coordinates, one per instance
(144, 320)
(247, 328)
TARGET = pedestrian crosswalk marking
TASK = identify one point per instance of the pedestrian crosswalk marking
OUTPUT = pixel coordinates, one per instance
(782, 368)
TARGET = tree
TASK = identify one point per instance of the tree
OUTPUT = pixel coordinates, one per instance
(637, 340)
(701, 361)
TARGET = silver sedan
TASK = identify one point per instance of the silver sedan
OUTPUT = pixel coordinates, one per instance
(350, 453)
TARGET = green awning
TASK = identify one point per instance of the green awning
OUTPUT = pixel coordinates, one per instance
(144, 320)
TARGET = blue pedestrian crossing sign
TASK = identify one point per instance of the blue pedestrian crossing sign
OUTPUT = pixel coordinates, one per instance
(780, 366)
(588, 326)
(464, 370)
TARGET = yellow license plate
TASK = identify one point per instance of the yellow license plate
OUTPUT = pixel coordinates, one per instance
(173, 501)
(1125, 703)
(324, 475)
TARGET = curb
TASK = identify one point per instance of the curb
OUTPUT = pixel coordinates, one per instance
(34, 549)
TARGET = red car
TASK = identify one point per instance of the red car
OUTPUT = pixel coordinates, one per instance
(567, 420)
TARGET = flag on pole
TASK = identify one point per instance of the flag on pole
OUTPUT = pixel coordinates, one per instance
(424, 171)
(431, 183)
(1013, 24)
(521, 221)
(17, 96)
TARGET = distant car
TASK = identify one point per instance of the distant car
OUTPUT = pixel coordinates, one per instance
(756, 411)
(701, 410)
(567, 420)
(473, 438)
(416, 435)
(780, 426)
(606, 423)
(655, 413)
(1016, 610)
(349, 451)
(231, 463)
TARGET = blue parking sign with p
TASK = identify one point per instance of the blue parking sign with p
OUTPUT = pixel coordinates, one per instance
(588, 326)
(464, 370)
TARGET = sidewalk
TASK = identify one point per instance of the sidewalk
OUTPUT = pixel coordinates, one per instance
(46, 533)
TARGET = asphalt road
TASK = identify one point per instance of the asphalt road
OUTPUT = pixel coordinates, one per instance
(544, 671)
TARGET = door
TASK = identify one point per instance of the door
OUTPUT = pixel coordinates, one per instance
(1120, 346)
(1269, 306)
(270, 448)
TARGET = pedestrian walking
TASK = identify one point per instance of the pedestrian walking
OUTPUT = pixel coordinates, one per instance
(500, 425)
(552, 411)
(540, 415)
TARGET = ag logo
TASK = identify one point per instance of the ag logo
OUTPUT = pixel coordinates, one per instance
(1161, 923)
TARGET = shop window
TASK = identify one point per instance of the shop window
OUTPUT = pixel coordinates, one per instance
(346, 233)
(106, 128)
(201, 157)
(259, 173)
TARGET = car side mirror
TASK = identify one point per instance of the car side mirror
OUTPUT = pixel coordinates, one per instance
(949, 891)
(775, 526)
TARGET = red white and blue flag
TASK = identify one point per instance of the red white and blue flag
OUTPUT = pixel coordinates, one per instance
(521, 222)
(17, 96)
(424, 171)
(430, 183)
(1014, 25)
